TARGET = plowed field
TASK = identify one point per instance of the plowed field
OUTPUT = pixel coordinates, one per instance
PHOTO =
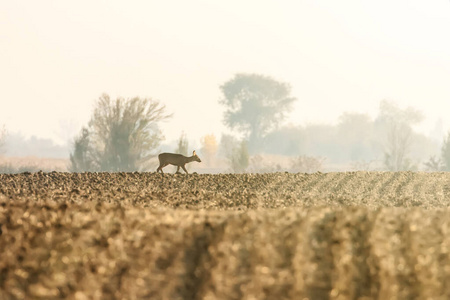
(358, 235)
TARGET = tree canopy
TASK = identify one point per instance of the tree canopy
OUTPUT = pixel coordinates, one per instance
(255, 104)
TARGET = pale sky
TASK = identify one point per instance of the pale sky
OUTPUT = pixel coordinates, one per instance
(57, 57)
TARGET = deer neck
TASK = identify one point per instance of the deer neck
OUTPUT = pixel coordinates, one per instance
(190, 159)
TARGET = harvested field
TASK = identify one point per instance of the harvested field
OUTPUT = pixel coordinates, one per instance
(357, 235)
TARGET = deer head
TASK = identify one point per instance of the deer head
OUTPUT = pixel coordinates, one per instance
(196, 157)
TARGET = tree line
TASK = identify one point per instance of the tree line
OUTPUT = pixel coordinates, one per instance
(124, 135)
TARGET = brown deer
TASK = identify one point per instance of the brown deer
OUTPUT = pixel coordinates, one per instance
(178, 160)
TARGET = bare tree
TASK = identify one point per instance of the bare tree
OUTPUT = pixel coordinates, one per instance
(239, 159)
(434, 164)
(121, 135)
(236, 152)
(398, 125)
(183, 145)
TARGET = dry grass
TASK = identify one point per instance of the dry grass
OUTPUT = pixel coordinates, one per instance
(352, 235)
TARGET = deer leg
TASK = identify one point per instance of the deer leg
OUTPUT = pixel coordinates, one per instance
(178, 170)
(184, 169)
(160, 168)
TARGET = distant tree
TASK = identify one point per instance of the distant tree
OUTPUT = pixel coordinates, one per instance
(307, 164)
(236, 152)
(183, 145)
(261, 163)
(398, 125)
(209, 148)
(83, 157)
(19, 145)
(445, 153)
(286, 140)
(434, 164)
(227, 142)
(255, 104)
(354, 137)
(121, 135)
(239, 159)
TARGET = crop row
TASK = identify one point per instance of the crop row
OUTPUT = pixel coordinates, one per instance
(373, 235)
(235, 191)
(53, 250)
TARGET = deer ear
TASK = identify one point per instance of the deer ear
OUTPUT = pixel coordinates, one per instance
(193, 152)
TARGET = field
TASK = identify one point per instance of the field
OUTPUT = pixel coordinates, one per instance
(355, 235)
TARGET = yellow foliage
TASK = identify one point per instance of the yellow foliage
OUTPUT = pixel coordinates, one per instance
(209, 148)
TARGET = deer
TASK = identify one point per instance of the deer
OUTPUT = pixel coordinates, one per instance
(178, 160)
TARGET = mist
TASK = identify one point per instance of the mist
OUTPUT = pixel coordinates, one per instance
(338, 60)
(356, 142)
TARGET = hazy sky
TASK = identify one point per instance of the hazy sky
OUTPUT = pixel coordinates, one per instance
(57, 57)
